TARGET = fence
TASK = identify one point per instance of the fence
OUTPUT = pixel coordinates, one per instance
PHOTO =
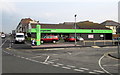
(98, 42)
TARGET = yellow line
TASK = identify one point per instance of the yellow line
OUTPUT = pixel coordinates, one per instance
(8, 48)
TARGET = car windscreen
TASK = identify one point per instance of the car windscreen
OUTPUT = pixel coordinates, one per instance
(19, 35)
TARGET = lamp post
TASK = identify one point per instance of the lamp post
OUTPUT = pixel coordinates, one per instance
(75, 29)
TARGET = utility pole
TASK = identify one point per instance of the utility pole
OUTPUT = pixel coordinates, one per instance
(75, 30)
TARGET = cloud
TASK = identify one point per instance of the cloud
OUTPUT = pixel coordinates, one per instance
(61, 0)
(7, 6)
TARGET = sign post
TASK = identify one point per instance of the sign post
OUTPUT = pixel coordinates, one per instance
(38, 35)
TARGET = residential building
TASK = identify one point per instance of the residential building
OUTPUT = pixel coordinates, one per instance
(112, 25)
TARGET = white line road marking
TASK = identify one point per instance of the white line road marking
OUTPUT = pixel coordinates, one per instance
(79, 70)
(69, 53)
(93, 72)
(112, 65)
(54, 60)
(71, 66)
(55, 54)
(56, 65)
(84, 68)
(50, 62)
(47, 59)
(99, 62)
(59, 64)
(35, 57)
(45, 63)
(22, 57)
(3, 43)
(98, 71)
(34, 60)
(66, 67)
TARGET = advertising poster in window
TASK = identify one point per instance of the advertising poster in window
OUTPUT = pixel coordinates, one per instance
(90, 36)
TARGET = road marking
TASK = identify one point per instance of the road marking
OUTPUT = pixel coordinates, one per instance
(66, 67)
(79, 70)
(56, 65)
(69, 53)
(35, 57)
(59, 64)
(50, 62)
(47, 59)
(93, 72)
(3, 43)
(45, 63)
(55, 54)
(98, 71)
(99, 62)
(22, 57)
(54, 60)
(112, 65)
(84, 68)
(71, 66)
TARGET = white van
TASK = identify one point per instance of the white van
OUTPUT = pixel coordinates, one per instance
(19, 37)
(2, 36)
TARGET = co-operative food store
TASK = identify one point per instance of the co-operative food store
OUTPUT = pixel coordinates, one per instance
(86, 29)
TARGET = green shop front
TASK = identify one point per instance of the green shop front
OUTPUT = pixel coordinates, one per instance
(87, 34)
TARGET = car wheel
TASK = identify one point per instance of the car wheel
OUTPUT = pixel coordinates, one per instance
(54, 41)
(42, 42)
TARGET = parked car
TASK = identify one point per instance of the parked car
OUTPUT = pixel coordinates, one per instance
(80, 38)
(70, 39)
(50, 38)
(3, 36)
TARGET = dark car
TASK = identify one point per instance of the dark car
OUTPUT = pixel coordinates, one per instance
(116, 40)
(50, 38)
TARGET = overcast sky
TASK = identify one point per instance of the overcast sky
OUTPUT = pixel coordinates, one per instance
(56, 11)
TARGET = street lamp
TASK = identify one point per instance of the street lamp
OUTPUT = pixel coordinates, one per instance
(75, 29)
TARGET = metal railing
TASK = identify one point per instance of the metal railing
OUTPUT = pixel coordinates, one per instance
(100, 42)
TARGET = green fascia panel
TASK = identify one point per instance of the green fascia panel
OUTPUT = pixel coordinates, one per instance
(102, 31)
(71, 31)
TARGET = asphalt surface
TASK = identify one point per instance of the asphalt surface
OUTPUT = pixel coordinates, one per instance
(89, 60)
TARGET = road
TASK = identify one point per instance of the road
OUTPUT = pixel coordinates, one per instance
(89, 60)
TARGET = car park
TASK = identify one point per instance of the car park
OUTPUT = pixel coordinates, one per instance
(49, 38)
